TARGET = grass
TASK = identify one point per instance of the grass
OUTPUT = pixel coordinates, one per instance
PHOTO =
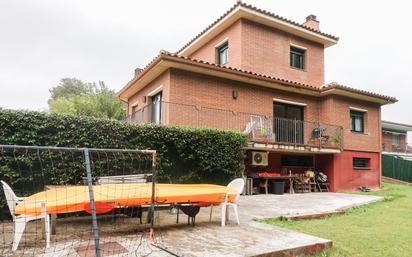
(378, 229)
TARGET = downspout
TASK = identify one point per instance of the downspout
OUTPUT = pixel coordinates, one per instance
(380, 147)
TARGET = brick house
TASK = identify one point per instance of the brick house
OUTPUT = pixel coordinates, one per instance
(395, 137)
(262, 74)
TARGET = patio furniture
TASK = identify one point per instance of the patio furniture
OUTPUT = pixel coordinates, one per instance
(191, 211)
(320, 134)
(259, 127)
(238, 185)
(249, 187)
(305, 183)
(322, 182)
(265, 177)
(21, 220)
(302, 184)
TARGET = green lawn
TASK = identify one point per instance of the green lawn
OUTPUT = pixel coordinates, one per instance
(378, 229)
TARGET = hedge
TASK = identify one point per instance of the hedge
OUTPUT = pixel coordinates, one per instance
(195, 155)
(184, 154)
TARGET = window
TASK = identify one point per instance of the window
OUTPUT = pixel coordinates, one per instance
(297, 58)
(360, 163)
(296, 161)
(288, 111)
(357, 123)
(222, 53)
(134, 108)
(396, 139)
(157, 107)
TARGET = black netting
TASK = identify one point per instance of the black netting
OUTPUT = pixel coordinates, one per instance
(60, 189)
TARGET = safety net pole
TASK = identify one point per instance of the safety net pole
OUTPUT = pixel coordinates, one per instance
(92, 205)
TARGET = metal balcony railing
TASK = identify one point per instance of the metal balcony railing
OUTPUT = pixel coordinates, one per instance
(258, 128)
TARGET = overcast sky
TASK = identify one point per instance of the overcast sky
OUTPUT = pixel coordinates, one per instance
(42, 41)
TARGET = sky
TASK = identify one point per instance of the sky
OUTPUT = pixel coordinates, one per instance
(42, 41)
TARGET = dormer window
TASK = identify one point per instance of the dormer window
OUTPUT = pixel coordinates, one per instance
(297, 57)
(222, 53)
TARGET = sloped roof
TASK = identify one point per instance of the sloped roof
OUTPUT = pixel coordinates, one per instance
(390, 125)
(247, 7)
(335, 85)
(169, 59)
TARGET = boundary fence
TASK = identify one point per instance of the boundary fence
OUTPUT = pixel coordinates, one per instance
(397, 167)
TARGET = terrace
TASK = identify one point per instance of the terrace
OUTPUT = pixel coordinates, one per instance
(125, 236)
(264, 132)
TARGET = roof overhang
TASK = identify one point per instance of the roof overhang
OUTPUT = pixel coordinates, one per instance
(357, 95)
(166, 62)
(244, 12)
(388, 125)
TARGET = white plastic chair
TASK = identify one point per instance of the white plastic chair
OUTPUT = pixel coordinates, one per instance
(21, 220)
(239, 185)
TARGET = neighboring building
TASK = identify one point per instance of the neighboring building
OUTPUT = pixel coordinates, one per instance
(262, 74)
(395, 137)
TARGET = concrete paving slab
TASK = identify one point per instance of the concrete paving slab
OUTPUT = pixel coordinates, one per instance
(250, 238)
(270, 206)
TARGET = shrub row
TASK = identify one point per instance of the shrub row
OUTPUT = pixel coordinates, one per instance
(184, 154)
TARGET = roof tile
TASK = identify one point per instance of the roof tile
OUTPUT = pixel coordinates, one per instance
(253, 8)
(333, 85)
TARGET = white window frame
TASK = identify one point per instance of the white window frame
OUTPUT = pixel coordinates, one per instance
(217, 47)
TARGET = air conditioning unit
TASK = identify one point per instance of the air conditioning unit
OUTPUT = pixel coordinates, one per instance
(259, 158)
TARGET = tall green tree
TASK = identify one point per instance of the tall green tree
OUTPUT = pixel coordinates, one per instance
(69, 87)
(74, 97)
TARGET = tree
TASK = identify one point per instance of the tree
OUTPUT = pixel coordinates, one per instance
(69, 87)
(74, 97)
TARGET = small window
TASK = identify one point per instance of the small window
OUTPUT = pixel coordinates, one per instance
(296, 161)
(222, 53)
(297, 58)
(396, 139)
(361, 163)
(357, 123)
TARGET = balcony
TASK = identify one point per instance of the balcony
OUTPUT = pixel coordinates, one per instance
(263, 132)
(397, 148)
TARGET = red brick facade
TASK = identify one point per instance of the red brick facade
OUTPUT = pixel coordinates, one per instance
(388, 144)
(266, 50)
(207, 91)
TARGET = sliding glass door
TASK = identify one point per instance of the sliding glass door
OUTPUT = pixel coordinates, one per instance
(288, 123)
(157, 108)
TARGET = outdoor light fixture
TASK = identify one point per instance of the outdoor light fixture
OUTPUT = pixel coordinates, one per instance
(234, 94)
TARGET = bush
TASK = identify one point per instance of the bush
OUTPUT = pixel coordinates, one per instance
(184, 154)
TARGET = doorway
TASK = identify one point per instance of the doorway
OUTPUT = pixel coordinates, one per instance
(288, 123)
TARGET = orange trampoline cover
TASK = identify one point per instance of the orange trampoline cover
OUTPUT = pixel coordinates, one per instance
(76, 198)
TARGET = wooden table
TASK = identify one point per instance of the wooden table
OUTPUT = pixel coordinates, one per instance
(284, 177)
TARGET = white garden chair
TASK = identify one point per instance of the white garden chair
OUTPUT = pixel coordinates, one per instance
(21, 220)
(239, 185)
